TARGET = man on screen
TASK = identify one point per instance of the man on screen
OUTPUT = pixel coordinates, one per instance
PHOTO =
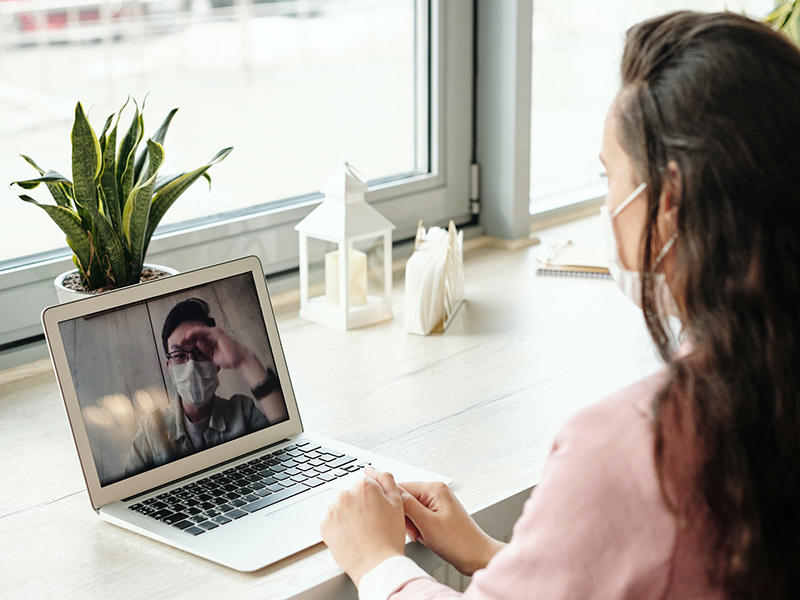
(196, 350)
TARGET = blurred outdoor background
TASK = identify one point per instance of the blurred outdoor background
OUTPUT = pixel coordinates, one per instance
(294, 85)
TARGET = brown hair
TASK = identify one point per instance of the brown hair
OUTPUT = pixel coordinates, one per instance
(719, 94)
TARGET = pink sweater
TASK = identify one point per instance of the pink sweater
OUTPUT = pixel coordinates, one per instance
(596, 526)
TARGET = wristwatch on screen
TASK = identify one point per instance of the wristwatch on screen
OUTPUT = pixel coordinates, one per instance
(266, 387)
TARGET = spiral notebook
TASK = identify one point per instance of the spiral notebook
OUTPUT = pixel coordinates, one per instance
(573, 260)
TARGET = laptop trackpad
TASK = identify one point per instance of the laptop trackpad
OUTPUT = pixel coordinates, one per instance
(307, 513)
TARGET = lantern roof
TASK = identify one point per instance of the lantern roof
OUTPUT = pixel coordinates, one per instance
(345, 180)
(344, 214)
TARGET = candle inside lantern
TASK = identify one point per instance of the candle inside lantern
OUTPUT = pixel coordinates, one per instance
(358, 278)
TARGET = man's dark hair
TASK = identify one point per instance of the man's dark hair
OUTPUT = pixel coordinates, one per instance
(193, 310)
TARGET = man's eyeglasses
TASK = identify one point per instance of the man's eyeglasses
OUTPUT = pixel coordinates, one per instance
(180, 357)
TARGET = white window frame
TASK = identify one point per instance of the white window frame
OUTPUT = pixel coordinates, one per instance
(437, 197)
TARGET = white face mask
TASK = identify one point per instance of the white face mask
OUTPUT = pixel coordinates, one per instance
(630, 281)
(196, 381)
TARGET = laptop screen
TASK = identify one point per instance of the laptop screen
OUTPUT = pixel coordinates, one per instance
(171, 376)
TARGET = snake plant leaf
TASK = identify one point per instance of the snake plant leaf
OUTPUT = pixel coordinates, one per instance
(137, 211)
(55, 181)
(32, 163)
(60, 193)
(49, 177)
(127, 156)
(167, 179)
(108, 183)
(109, 120)
(86, 161)
(172, 190)
(159, 136)
(110, 242)
(70, 223)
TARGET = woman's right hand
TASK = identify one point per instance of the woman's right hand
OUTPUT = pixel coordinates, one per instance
(435, 517)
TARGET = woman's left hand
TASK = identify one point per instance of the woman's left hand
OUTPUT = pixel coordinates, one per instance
(366, 524)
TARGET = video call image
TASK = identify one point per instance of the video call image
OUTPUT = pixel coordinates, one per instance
(161, 380)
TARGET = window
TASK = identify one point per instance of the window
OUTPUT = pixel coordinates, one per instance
(577, 46)
(295, 86)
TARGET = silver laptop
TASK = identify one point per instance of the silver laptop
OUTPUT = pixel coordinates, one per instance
(185, 421)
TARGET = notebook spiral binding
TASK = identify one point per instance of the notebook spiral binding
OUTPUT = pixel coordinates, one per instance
(564, 273)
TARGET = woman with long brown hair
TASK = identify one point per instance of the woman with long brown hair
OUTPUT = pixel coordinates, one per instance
(687, 484)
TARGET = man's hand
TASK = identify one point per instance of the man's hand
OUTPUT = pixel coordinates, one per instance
(225, 351)
(436, 518)
(365, 525)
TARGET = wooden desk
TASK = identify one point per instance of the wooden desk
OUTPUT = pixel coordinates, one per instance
(481, 404)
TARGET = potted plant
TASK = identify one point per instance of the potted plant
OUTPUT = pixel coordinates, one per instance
(115, 200)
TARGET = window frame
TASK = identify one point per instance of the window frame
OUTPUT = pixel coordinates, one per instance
(268, 231)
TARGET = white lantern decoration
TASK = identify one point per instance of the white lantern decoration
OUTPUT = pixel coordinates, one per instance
(345, 218)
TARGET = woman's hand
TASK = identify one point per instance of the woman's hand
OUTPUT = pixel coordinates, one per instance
(365, 525)
(435, 517)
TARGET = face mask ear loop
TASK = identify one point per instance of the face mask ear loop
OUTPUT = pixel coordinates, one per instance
(664, 251)
(628, 200)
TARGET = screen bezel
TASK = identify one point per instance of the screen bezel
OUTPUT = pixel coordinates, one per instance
(51, 318)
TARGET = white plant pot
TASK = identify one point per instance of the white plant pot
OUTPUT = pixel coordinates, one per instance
(67, 295)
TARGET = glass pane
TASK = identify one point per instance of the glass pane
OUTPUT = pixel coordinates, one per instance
(577, 46)
(295, 86)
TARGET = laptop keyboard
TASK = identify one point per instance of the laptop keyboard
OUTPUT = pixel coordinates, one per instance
(249, 487)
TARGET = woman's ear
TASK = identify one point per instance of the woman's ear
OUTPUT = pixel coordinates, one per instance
(670, 199)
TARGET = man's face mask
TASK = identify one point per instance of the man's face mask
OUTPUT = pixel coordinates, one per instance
(627, 280)
(196, 381)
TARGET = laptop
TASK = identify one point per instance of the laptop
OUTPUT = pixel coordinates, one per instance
(186, 425)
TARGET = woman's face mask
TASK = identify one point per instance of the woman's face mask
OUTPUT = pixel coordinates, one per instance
(196, 381)
(627, 280)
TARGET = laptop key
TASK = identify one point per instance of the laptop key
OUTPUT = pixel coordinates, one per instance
(182, 524)
(280, 476)
(194, 530)
(235, 513)
(263, 492)
(163, 514)
(313, 482)
(341, 461)
(222, 519)
(303, 443)
(327, 476)
(275, 487)
(208, 525)
(274, 498)
(340, 472)
(299, 478)
(237, 502)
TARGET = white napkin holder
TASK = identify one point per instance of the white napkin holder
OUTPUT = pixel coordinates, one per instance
(434, 283)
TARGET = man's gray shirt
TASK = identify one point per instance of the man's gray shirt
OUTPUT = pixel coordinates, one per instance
(162, 435)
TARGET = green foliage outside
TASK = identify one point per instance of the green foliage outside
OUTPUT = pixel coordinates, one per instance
(786, 18)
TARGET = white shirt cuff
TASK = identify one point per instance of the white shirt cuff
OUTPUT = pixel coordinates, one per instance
(388, 577)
